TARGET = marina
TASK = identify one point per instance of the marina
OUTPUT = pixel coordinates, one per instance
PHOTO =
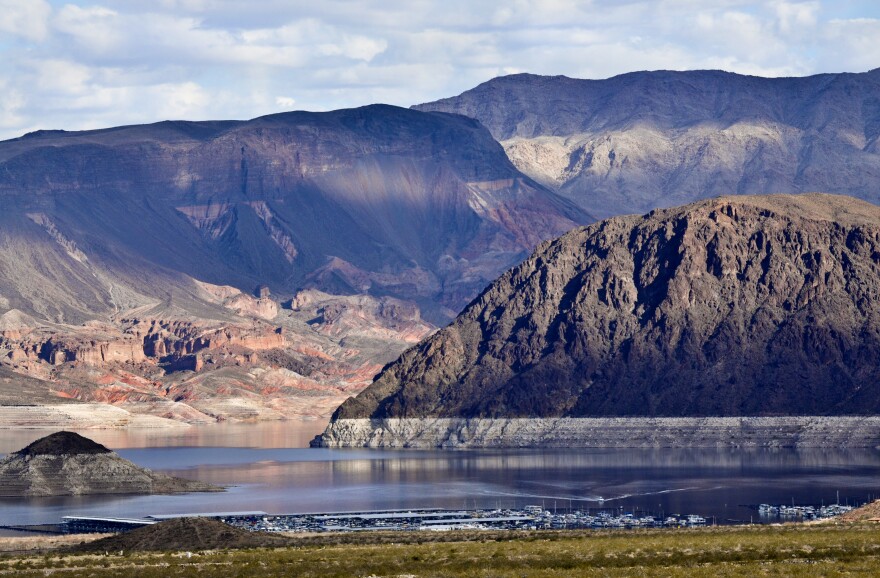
(532, 517)
(802, 512)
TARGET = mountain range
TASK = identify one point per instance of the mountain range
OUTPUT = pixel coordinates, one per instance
(377, 200)
(644, 140)
(270, 268)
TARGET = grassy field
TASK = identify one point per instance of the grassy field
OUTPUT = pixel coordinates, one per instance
(825, 550)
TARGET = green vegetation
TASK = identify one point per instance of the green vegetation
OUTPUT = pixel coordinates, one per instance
(743, 551)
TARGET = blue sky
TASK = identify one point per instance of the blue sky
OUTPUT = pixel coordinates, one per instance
(84, 64)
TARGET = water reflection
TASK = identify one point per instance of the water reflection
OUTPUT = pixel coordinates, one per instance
(279, 434)
(270, 477)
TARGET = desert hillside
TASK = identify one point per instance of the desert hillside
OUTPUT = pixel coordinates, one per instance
(733, 306)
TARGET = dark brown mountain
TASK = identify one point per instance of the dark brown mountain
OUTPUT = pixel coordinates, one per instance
(183, 534)
(61, 443)
(643, 140)
(733, 306)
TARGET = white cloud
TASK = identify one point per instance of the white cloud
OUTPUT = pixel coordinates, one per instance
(99, 29)
(62, 76)
(738, 35)
(11, 103)
(27, 19)
(180, 101)
(853, 41)
(358, 47)
(67, 64)
(188, 5)
(797, 17)
(106, 36)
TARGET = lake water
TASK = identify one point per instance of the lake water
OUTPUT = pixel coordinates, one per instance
(270, 468)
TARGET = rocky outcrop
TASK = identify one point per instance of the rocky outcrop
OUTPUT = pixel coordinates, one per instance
(364, 316)
(735, 306)
(66, 463)
(181, 337)
(135, 340)
(60, 349)
(631, 432)
(869, 512)
(192, 534)
(659, 139)
(260, 306)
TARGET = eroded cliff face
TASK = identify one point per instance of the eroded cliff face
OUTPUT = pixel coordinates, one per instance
(172, 365)
(735, 306)
(604, 432)
(359, 315)
(658, 139)
(136, 340)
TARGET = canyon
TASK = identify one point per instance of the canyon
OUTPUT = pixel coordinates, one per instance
(165, 368)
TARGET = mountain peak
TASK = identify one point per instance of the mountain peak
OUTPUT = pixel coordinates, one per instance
(751, 306)
(63, 443)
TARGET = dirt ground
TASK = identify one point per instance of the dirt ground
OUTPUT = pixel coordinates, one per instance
(867, 513)
(24, 544)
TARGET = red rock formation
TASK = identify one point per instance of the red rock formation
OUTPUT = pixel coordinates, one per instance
(201, 370)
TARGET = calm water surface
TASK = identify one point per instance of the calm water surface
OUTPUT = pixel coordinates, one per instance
(269, 468)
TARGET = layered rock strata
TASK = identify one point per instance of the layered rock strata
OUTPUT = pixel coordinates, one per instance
(65, 463)
(237, 365)
(78, 416)
(634, 432)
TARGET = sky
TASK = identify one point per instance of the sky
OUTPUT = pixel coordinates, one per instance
(90, 64)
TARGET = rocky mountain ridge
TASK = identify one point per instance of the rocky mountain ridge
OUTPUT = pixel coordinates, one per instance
(644, 140)
(734, 306)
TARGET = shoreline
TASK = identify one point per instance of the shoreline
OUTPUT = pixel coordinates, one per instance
(104, 416)
(87, 415)
(606, 432)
